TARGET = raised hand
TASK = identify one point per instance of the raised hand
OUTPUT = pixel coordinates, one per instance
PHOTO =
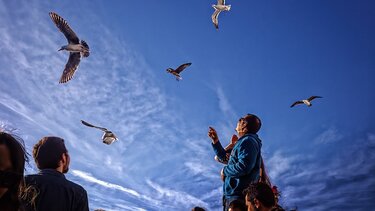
(213, 135)
(234, 139)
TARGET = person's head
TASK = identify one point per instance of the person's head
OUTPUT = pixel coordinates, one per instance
(237, 205)
(248, 124)
(51, 153)
(198, 209)
(259, 197)
(12, 165)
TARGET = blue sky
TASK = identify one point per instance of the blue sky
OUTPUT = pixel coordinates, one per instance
(266, 55)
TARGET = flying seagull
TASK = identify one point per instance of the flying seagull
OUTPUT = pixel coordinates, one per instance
(219, 7)
(108, 137)
(76, 49)
(177, 71)
(306, 102)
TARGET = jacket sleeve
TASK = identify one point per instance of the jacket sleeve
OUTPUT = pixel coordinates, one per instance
(247, 157)
(83, 204)
(219, 150)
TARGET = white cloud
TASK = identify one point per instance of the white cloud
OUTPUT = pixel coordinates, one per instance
(176, 197)
(88, 177)
(329, 136)
(113, 88)
(278, 164)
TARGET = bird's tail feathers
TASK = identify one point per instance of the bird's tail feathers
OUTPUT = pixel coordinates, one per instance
(85, 44)
(87, 52)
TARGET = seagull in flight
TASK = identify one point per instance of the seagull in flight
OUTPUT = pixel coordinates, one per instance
(177, 71)
(108, 137)
(76, 48)
(219, 7)
(306, 102)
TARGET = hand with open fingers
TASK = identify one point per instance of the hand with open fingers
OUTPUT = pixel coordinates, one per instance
(213, 134)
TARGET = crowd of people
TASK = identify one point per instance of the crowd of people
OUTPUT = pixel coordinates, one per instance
(246, 186)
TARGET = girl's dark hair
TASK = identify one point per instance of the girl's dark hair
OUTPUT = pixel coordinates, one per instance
(263, 176)
(262, 192)
(18, 158)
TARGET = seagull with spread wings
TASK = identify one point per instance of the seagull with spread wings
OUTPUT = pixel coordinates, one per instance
(219, 7)
(306, 102)
(76, 48)
(177, 71)
(108, 137)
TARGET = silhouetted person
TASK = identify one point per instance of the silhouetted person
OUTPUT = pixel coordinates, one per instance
(245, 161)
(12, 165)
(259, 197)
(55, 192)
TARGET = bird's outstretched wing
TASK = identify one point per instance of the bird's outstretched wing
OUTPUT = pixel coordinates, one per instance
(220, 2)
(182, 67)
(313, 97)
(296, 103)
(64, 28)
(90, 125)
(215, 18)
(70, 67)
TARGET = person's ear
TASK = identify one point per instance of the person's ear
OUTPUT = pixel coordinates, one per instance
(64, 158)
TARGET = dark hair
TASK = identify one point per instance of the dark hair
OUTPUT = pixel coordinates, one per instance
(18, 158)
(48, 152)
(238, 204)
(250, 123)
(198, 209)
(262, 192)
(263, 174)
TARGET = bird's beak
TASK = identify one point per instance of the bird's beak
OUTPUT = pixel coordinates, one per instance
(60, 49)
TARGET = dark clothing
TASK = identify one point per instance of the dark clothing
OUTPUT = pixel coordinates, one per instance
(56, 193)
(7, 204)
(243, 165)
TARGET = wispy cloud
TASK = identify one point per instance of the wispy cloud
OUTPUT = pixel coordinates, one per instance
(176, 197)
(114, 88)
(329, 136)
(330, 181)
(88, 177)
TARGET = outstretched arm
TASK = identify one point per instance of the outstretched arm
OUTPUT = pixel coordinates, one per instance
(219, 150)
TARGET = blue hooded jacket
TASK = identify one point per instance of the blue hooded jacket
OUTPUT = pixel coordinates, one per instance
(243, 165)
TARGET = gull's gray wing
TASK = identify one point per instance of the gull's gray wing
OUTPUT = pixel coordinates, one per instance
(215, 18)
(182, 67)
(296, 103)
(64, 28)
(90, 125)
(70, 67)
(313, 97)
